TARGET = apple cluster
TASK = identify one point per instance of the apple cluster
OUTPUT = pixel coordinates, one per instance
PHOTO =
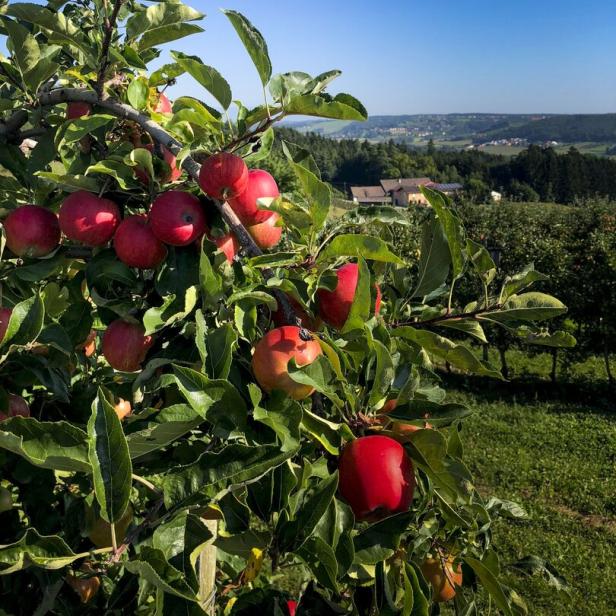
(376, 473)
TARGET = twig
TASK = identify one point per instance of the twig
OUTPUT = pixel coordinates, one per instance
(110, 23)
(473, 314)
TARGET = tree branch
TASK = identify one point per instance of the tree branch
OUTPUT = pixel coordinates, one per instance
(192, 167)
(110, 23)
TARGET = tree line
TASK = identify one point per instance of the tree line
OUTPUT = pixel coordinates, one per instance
(536, 174)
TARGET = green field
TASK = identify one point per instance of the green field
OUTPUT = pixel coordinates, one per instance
(552, 449)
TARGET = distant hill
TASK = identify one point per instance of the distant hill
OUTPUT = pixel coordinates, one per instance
(470, 127)
(567, 128)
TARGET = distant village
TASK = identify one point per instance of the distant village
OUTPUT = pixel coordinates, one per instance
(403, 192)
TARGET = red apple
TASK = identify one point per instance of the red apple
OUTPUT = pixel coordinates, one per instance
(228, 244)
(89, 345)
(334, 306)
(163, 105)
(125, 345)
(136, 245)
(264, 230)
(376, 477)
(17, 406)
(78, 110)
(177, 218)
(292, 606)
(443, 576)
(274, 352)
(223, 176)
(5, 315)
(172, 174)
(31, 231)
(260, 185)
(88, 219)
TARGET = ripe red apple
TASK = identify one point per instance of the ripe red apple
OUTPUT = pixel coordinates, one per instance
(17, 406)
(32, 231)
(5, 315)
(136, 245)
(443, 576)
(177, 218)
(306, 320)
(334, 306)
(264, 230)
(292, 607)
(223, 176)
(125, 345)
(6, 500)
(163, 175)
(376, 477)
(88, 219)
(228, 244)
(163, 105)
(260, 185)
(273, 354)
(78, 110)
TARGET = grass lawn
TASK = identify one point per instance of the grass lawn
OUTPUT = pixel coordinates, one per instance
(553, 450)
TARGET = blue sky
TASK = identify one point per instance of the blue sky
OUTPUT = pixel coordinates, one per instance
(428, 56)
(410, 56)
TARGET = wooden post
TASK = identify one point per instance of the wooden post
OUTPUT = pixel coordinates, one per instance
(207, 571)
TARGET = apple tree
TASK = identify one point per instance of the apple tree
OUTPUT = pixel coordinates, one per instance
(217, 399)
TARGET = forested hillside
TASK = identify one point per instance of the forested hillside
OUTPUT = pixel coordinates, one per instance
(536, 174)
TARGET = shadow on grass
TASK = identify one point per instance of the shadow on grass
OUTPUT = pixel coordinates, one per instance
(598, 395)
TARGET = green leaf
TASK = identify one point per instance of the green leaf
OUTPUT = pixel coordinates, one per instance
(187, 109)
(220, 344)
(253, 42)
(362, 301)
(180, 540)
(490, 583)
(355, 245)
(166, 34)
(233, 465)
(557, 339)
(531, 306)
(26, 322)
(440, 415)
(165, 74)
(457, 355)
(109, 456)
(327, 433)
(341, 107)
(318, 374)
(519, 282)
(384, 214)
(138, 93)
(468, 326)
(215, 400)
(80, 127)
(207, 76)
(166, 427)
(34, 550)
(452, 227)
(421, 602)
(117, 169)
(534, 565)
(434, 260)
(379, 541)
(383, 375)
(294, 533)
(56, 445)
(25, 50)
(481, 261)
(151, 565)
(159, 16)
(321, 559)
(171, 311)
(70, 183)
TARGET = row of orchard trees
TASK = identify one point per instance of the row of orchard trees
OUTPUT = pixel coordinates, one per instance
(167, 386)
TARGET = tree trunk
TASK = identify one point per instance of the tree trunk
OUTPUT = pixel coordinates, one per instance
(606, 358)
(486, 356)
(504, 366)
(207, 571)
